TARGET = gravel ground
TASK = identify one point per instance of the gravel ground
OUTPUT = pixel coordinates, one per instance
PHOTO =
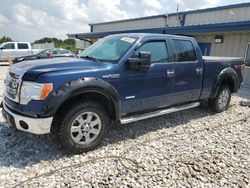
(192, 148)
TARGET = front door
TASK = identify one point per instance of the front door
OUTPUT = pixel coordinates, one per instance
(142, 91)
(8, 51)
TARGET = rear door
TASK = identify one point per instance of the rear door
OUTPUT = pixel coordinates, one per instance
(148, 90)
(188, 71)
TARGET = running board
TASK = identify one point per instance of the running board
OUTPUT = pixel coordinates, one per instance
(159, 113)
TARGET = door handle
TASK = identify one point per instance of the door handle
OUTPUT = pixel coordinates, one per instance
(170, 73)
(199, 70)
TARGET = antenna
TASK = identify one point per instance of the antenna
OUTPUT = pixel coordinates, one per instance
(177, 9)
(166, 19)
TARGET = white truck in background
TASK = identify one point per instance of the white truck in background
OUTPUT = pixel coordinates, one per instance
(10, 50)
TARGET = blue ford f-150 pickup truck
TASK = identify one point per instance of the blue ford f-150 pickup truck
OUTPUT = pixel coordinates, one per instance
(120, 78)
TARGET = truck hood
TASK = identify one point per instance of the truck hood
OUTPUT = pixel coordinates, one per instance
(34, 68)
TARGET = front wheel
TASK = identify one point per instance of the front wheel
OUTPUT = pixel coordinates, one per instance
(222, 100)
(83, 126)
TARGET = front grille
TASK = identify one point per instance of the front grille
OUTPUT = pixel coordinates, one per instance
(12, 83)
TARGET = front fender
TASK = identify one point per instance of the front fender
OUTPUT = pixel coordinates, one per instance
(226, 75)
(79, 86)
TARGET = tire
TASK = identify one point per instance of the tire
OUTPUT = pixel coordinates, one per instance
(222, 100)
(83, 126)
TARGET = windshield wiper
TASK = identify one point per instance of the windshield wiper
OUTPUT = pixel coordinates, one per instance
(89, 57)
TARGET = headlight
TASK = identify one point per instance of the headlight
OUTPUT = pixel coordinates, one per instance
(34, 91)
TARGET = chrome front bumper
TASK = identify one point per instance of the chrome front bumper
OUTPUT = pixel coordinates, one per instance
(27, 124)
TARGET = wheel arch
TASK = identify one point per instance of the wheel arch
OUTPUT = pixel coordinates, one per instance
(84, 88)
(96, 94)
(227, 76)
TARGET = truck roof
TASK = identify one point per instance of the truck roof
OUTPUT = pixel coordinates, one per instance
(148, 35)
(15, 42)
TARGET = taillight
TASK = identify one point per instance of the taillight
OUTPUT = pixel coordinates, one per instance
(241, 67)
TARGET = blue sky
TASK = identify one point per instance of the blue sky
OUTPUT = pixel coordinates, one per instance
(28, 20)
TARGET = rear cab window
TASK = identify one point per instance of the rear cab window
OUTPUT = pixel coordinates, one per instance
(184, 50)
(22, 46)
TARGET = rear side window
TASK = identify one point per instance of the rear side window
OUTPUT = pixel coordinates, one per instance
(64, 52)
(9, 46)
(22, 46)
(157, 49)
(184, 50)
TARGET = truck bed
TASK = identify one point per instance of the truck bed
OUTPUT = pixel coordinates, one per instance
(213, 66)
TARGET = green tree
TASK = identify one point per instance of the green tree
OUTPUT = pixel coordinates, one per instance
(59, 43)
(5, 39)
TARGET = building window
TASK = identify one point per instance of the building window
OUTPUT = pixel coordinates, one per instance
(184, 50)
(247, 59)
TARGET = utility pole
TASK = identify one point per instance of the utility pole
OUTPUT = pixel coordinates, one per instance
(177, 10)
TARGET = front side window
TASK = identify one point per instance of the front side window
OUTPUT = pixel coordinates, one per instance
(22, 46)
(9, 46)
(110, 48)
(44, 54)
(157, 49)
(248, 55)
(184, 50)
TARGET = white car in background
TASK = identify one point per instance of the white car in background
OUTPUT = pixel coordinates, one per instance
(10, 50)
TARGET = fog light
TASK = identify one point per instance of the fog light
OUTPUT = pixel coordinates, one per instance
(24, 125)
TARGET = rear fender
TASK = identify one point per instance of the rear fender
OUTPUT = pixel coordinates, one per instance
(226, 76)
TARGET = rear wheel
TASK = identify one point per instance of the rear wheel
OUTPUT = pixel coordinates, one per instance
(222, 100)
(83, 126)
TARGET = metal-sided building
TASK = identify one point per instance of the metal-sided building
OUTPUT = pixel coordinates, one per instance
(220, 31)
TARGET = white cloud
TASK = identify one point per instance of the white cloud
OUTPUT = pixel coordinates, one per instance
(21, 14)
(106, 10)
(155, 4)
(39, 22)
(211, 3)
(130, 2)
(191, 4)
(31, 20)
(150, 12)
(3, 20)
(71, 9)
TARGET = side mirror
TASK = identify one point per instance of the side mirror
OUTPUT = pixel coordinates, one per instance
(142, 62)
(2, 48)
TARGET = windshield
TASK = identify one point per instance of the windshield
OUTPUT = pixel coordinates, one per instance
(110, 48)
